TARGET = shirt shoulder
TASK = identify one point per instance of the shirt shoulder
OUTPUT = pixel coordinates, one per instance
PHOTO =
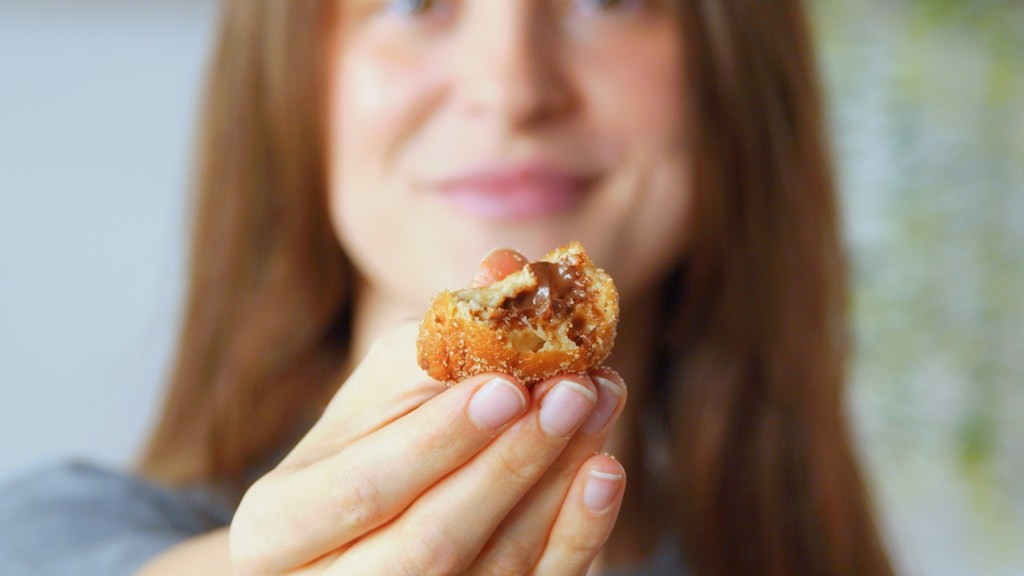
(77, 518)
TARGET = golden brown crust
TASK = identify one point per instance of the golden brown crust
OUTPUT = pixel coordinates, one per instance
(472, 331)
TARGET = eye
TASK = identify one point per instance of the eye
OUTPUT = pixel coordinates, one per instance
(610, 5)
(423, 14)
(414, 7)
(408, 6)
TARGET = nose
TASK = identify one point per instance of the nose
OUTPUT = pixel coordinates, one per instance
(509, 65)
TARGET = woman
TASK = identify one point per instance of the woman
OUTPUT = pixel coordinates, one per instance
(360, 155)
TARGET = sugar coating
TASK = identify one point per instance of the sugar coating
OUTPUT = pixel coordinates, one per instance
(460, 335)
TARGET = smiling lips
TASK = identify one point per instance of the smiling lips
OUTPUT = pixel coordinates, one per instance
(515, 192)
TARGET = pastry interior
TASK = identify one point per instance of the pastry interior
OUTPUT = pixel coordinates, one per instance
(555, 304)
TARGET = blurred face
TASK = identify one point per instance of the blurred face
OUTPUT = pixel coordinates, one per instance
(461, 125)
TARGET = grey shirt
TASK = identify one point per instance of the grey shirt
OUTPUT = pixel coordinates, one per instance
(78, 519)
(83, 520)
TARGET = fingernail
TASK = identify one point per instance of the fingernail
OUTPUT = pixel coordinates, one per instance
(600, 490)
(491, 252)
(495, 404)
(485, 275)
(608, 395)
(565, 407)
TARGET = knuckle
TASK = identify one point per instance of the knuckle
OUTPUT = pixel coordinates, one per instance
(249, 566)
(508, 556)
(354, 499)
(432, 435)
(516, 466)
(250, 535)
(579, 544)
(427, 431)
(431, 550)
(397, 338)
(245, 558)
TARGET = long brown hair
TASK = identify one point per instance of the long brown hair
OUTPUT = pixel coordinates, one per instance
(768, 479)
(768, 482)
(265, 318)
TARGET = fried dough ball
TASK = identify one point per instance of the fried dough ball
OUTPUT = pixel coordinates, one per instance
(553, 316)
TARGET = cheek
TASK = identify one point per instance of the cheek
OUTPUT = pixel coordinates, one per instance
(359, 131)
(639, 104)
(376, 100)
(640, 93)
(653, 207)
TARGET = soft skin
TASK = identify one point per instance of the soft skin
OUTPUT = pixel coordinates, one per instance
(512, 483)
(422, 94)
(592, 87)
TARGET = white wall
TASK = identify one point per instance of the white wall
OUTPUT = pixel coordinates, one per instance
(97, 102)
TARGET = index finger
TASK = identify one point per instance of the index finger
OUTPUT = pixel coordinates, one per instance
(386, 385)
(295, 515)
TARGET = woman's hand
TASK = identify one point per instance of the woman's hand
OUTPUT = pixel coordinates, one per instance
(402, 476)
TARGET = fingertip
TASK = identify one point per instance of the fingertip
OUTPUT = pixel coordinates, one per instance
(497, 400)
(604, 481)
(587, 518)
(478, 380)
(497, 264)
(604, 462)
(541, 389)
(610, 375)
(611, 399)
(566, 401)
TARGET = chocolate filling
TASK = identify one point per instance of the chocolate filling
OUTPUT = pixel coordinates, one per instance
(560, 287)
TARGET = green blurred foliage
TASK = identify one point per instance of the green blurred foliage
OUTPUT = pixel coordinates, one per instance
(927, 103)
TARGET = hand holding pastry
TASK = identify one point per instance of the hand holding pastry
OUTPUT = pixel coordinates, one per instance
(403, 475)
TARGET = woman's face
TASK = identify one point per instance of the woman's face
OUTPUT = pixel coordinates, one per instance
(462, 125)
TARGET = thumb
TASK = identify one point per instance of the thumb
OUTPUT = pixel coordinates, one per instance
(497, 264)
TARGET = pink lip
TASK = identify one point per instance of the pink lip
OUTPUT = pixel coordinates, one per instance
(515, 192)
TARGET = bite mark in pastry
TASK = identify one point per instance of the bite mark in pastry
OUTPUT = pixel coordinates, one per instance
(553, 316)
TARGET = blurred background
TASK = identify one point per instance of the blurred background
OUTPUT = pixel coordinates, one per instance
(928, 121)
(97, 104)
